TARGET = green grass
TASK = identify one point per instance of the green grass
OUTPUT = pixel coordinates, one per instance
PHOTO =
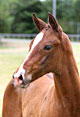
(10, 59)
(9, 62)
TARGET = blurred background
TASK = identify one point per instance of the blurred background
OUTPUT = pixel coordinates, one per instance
(16, 15)
(17, 29)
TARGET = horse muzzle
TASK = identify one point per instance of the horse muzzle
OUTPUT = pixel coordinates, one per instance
(21, 82)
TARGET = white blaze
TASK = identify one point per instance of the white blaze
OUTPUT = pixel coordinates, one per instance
(38, 38)
(21, 71)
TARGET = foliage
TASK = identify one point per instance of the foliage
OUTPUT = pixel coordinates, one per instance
(5, 15)
(16, 15)
(66, 15)
(23, 18)
(77, 11)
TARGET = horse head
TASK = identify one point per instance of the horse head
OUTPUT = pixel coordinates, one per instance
(45, 52)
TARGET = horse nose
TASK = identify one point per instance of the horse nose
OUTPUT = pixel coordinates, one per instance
(20, 77)
(13, 76)
(18, 80)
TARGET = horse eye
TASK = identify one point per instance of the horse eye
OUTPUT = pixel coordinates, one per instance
(47, 47)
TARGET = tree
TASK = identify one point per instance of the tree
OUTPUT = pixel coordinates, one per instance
(23, 18)
(5, 15)
(65, 15)
(77, 11)
(16, 15)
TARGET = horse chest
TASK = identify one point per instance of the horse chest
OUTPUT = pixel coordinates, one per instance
(38, 105)
(42, 105)
(44, 110)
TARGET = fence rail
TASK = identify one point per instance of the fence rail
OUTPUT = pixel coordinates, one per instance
(17, 35)
(74, 37)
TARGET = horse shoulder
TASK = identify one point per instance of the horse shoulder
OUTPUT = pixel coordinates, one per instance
(12, 101)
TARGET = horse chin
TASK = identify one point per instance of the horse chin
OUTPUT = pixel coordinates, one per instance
(24, 84)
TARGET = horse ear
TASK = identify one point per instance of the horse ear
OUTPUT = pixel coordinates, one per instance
(54, 24)
(38, 22)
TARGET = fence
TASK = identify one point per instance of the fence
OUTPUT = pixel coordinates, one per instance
(73, 37)
(17, 35)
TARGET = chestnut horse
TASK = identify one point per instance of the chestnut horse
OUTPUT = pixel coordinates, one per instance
(40, 96)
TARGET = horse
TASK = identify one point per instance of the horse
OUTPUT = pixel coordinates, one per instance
(32, 93)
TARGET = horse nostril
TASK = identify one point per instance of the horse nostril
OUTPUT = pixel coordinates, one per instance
(13, 76)
(20, 77)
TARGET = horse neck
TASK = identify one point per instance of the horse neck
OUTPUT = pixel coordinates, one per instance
(67, 86)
